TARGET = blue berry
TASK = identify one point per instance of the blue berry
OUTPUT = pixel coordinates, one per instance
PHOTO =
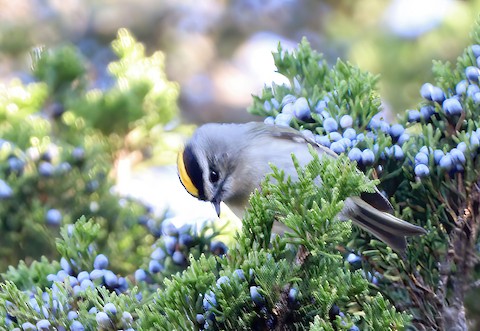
(15, 165)
(354, 328)
(292, 294)
(321, 106)
(122, 285)
(110, 279)
(78, 153)
(421, 170)
(103, 320)
(53, 217)
(168, 228)
(71, 315)
(28, 326)
(269, 120)
(209, 300)
(283, 119)
(43, 325)
(472, 73)
(461, 87)
(218, 248)
(437, 94)
(46, 169)
(240, 274)
(345, 142)
(426, 150)
(421, 158)
(355, 154)
(288, 109)
(476, 97)
(77, 326)
(97, 274)
(83, 275)
(257, 298)
(472, 89)
(374, 123)
(350, 133)
(403, 138)
(93, 310)
(346, 121)
(267, 106)
(274, 103)
(77, 290)
(368, 157)
(185, 240)
(200, 319)
(426, 91)
(353, 258)
(87, 283)
(288, 99)
(127, 317)
(437, 155)
(178, 258)
(462, 146)
(385, 127)
(158, 254)
(170, 244)
(474, 142)
(337, 147)
(301, 109)
(330, 125)
(414, 115)
(446, 162)
(322, 140)
(396, 130)
(222, 280)
(457, 156)
(397, 152)
(334, 136)
(452, 106)
(475, 50)
(427, 111)
(325, 114)
(5, 190)
(66, 266)
(110, 308)
(154, 266)
(101, 262)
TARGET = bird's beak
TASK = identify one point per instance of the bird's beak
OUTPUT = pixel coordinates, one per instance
(216, 204)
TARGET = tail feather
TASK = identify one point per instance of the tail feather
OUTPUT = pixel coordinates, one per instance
(384, 226)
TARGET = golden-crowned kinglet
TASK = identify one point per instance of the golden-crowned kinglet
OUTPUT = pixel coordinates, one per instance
(226, 162)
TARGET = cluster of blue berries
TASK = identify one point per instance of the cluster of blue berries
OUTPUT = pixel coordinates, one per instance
(99, 276)
(48, 164)
(52, 303)
(339, 134)
(173, 248)
(265, 319)
(449, 105)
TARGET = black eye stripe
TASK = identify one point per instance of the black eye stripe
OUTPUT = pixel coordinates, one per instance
(194, 171)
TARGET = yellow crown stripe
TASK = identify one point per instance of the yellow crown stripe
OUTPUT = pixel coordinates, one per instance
(184, 177)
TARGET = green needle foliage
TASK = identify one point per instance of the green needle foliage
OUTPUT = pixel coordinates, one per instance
(441, 195)
(60, 144)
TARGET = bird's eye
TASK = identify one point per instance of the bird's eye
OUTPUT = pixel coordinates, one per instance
(214, 176)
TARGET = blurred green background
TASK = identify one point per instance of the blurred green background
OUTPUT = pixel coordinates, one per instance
(219, 51)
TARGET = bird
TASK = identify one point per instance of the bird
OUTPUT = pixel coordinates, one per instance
(228, 161)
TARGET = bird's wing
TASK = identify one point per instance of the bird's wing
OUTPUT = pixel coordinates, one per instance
(375, 199)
